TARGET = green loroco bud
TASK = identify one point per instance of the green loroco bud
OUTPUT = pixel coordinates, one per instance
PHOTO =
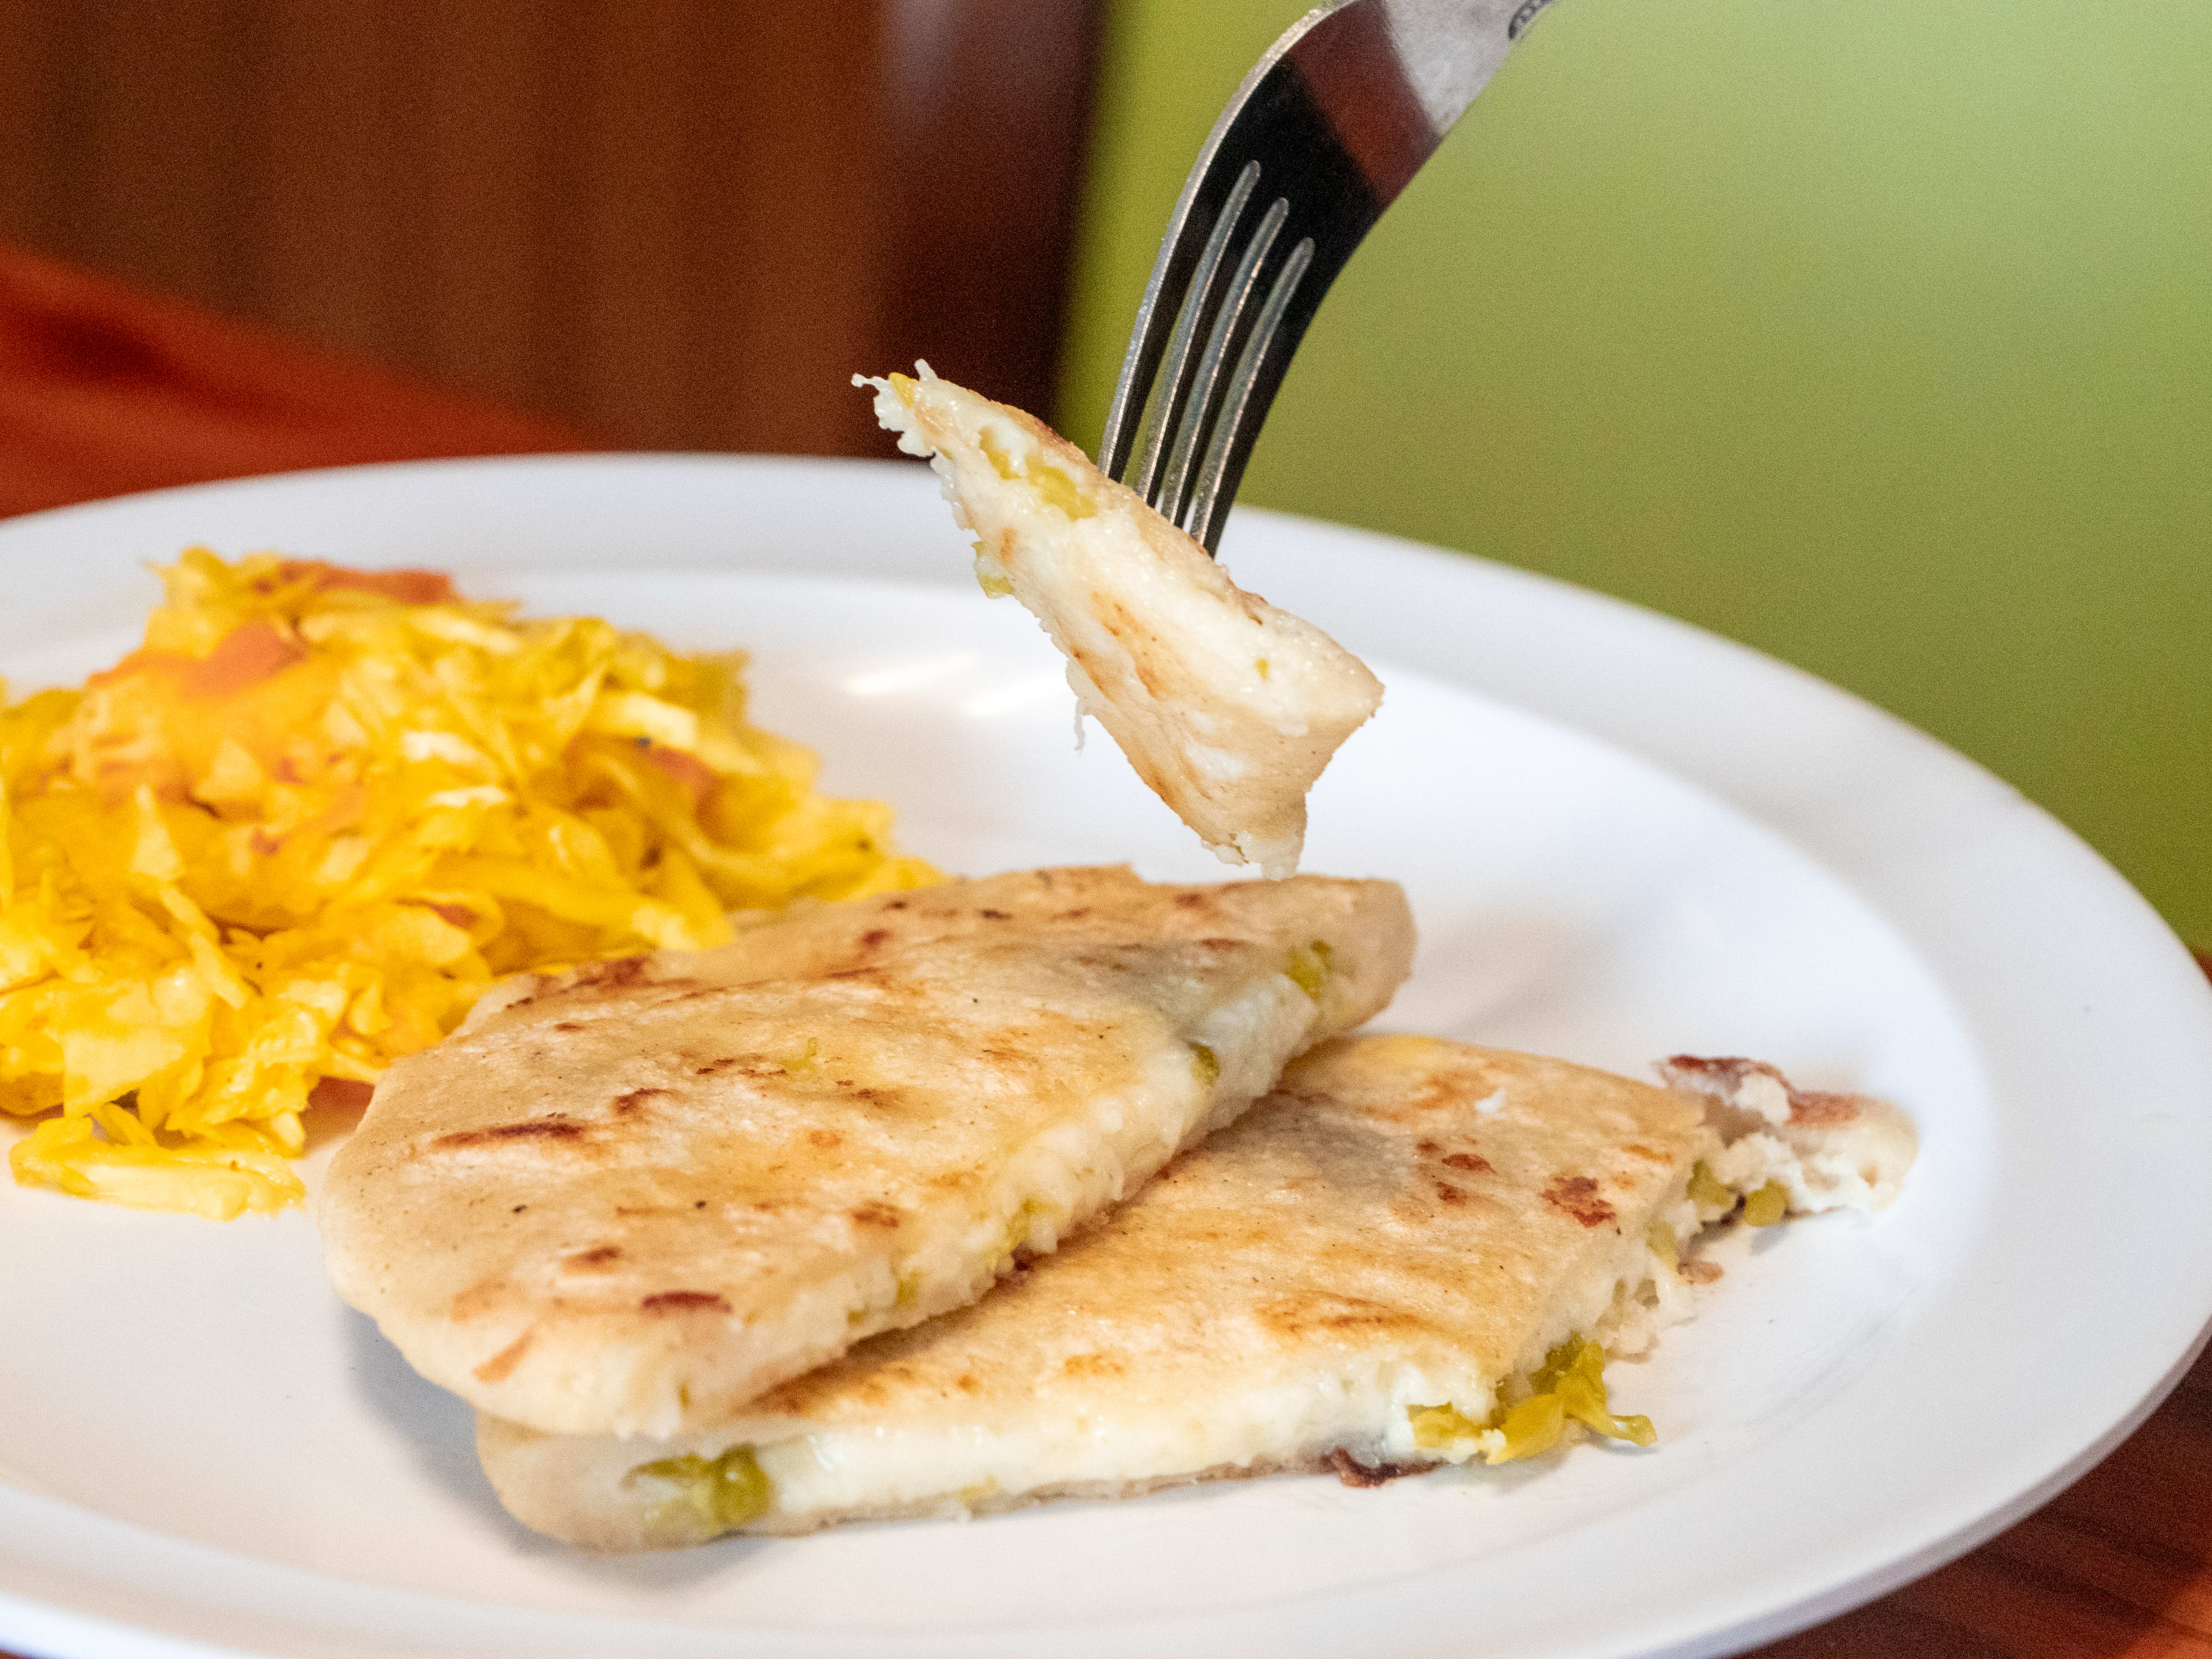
(711, 1495)
(1767, 1206)
(1707, 1189)
(1574, 1370)
(1308, 967)
(1440, 1428)
(1569, 1384)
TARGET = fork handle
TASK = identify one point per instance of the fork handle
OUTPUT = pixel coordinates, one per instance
(1339, 113)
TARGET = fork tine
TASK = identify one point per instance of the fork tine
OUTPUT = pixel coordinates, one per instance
(1167, 389)
(1198, 401)
(1341, 112)
(1165, 291)
(1234, 433)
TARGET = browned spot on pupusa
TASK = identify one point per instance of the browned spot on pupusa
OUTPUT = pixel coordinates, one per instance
(1579, 1196)
(568, 1025)
(1353, 1473)
(1809, 1107)
(1435, 1092)
(1469, 1161)
(480, 1299)
(1449, 1194)
(617, 974)
(1293, 1315)
(875, 1214)
(1649, 1154)
(684, 1302)
(550, 1128)
(825, 1139)
(501, 1365)
(875, 937)
(627, 1105)
(1093, 1364)
(591, 1260)
(875, 1385)
(1816, 1110)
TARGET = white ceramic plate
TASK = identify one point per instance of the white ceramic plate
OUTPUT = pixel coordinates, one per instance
(1622, 839)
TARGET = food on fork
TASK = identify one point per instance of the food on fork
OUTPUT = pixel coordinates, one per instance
(293, 836)
(1228, 709)
(629, 1199)
(1412, 1253)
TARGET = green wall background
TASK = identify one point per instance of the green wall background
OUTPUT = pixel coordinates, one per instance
(1877, 335)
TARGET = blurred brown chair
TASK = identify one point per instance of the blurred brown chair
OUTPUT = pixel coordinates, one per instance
(660, 224)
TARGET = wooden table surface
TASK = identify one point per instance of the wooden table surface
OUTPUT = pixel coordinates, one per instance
(105, 390)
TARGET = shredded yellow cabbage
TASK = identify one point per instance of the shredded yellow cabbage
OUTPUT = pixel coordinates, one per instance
(293, 836)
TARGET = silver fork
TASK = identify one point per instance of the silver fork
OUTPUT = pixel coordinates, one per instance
(1326, 130)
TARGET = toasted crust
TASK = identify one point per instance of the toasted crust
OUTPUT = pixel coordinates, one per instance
(630, 1199)
(1829, 1150)
(1404, 1221)
(1227, 707)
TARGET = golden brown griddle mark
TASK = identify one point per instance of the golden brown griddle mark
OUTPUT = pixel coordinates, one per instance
(1353, 1473)
(501, 1365)
(1811, 1109)
(1324, 1311)
(549, 1129)
(1577, 1196)
(678, 1301)
(1466, 1162)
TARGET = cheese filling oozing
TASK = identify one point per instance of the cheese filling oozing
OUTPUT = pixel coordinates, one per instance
(1376, 1411)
